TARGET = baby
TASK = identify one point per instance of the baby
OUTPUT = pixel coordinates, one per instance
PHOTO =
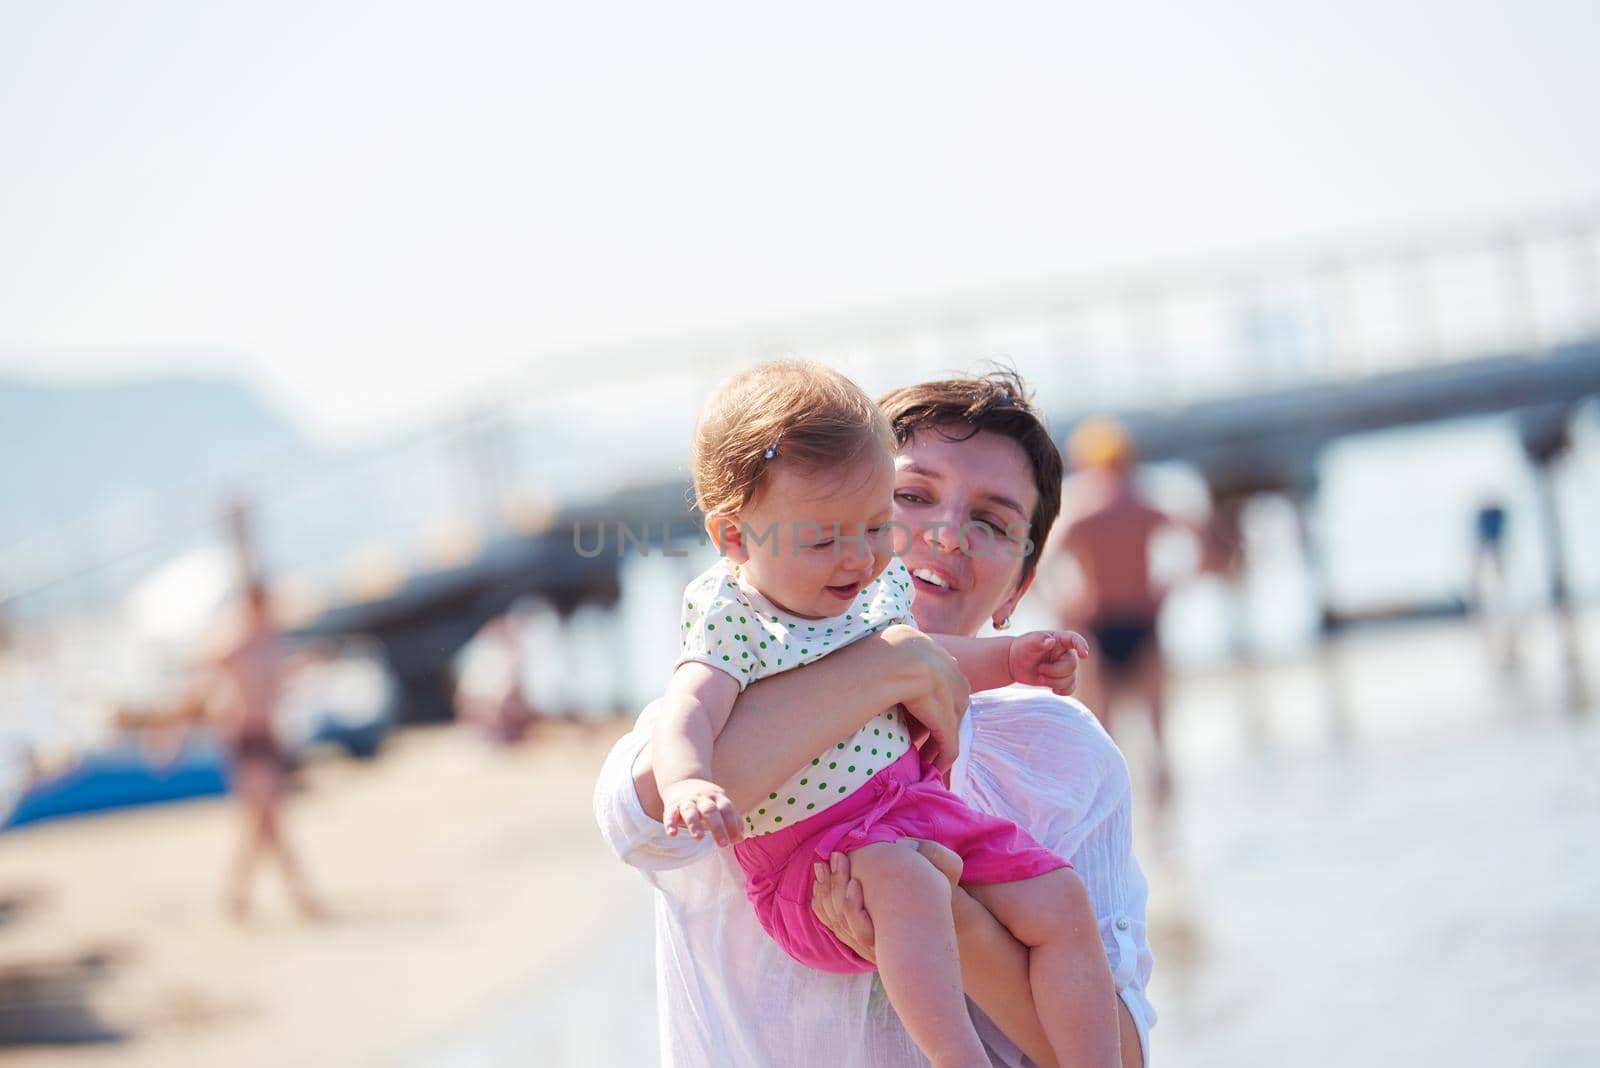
(794, 471)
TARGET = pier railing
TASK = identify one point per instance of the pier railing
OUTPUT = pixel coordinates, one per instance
(577, 423)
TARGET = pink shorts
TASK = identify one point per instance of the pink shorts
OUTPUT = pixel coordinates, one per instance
(904, 800)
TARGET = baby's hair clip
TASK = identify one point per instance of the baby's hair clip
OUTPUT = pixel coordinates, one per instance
(772, 450)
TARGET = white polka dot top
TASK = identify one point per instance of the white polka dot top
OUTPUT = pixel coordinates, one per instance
(731, 626)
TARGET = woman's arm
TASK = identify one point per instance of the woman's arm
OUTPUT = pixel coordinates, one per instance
(781, 722)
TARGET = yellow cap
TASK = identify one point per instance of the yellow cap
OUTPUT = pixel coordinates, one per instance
(1100, 442)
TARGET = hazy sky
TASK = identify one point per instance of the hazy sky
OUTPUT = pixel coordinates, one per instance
(375, 212)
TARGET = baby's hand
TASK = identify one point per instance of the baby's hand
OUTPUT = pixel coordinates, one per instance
(1048, 658)
(700, 807)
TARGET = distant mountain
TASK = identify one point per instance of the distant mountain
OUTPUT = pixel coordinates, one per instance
(69, 450)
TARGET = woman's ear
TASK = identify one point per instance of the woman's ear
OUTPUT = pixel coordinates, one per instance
(727, 537)
(1004, 609)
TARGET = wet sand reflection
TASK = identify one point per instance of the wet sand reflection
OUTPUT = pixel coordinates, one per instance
(1380, 854)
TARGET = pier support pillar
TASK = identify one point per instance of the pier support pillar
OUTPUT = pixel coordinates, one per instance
(1546, 438)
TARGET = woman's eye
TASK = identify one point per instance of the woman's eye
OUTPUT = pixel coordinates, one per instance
(1008, 532)
(907, 495)
(822, 544)
(990, 523)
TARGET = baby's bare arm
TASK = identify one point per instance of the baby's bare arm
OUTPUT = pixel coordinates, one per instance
(781, 722)
(984, 661)
(698, 702)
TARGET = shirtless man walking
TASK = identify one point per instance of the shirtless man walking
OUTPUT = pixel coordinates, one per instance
(1108, 531)
(239, 690)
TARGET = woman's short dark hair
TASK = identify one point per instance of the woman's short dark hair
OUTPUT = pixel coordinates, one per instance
(999, 401)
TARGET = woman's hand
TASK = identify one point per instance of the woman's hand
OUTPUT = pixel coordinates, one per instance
(837, 900)
(932, 690)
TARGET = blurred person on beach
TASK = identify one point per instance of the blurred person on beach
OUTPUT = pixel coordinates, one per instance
(794, 471)
(1488, 583)
(490, 693)
(971, 452)
(1109, 535)
(237, 691)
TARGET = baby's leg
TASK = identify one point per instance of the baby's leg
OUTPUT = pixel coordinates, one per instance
(915, 944)
(1067, 969)
(994, 965)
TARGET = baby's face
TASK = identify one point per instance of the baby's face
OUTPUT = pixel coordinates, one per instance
(811, 541)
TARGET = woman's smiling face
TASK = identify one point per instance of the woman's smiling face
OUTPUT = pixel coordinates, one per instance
(967, 503)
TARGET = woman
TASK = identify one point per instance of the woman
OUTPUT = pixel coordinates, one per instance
(974, 459)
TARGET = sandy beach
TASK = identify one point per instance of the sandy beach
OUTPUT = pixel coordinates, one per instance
(458, 875)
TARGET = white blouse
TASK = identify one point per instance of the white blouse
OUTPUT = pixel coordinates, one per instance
(726, 995)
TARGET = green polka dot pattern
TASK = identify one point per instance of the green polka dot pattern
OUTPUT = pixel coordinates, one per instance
(730, 626)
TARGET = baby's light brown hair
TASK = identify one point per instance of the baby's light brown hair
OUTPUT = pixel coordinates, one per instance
(816, 417)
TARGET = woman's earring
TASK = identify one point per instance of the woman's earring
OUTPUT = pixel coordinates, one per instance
(1002, 624)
